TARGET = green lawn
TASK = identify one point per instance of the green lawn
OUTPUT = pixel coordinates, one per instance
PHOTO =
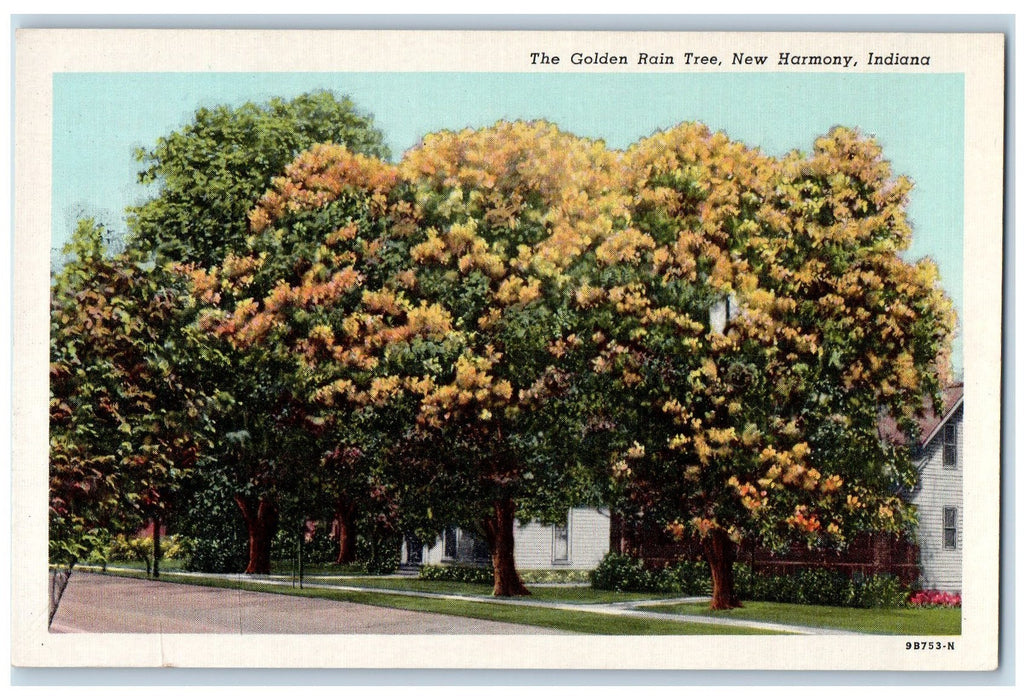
(563, 594)
(580, 622)
(165, 564)
(902, 621)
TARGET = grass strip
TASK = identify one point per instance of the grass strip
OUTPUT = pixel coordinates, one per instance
(563, 594)
(898, 621)
(583, 595)
(580, 622)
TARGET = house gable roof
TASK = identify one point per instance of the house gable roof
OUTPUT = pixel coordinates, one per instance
(930, 423)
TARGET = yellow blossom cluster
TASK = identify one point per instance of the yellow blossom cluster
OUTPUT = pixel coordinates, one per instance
(318, 176)
(587, 295)
(802, 519)
(789, 468)
(623, 246)
(629, 299)
(751, 497)
(495, 177)
(473, 388)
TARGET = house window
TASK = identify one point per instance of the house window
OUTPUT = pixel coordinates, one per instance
(950, 528)
(474, 549)
(950, 446)
(561, 543)
(461, 546)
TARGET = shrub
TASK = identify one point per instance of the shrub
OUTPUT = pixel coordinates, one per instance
(124, 548)
(821, 587)
(804, 586)
(379, 551)
(555, 576)
(878, 591)
(689, 577)
(814, 586)
(459, 574)
(619, 572)
(484, 574)
(175, 547)
(318, 546)
(216, 555)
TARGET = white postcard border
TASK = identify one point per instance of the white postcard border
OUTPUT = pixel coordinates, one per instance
(42, 53)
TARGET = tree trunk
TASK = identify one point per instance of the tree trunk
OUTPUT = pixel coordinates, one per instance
(346, 529)
(720, 552)
(499, 532)
(261, 516)
(156, 547)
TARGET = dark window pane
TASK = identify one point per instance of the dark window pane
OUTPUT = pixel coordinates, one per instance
(480, 550)
(950, 445)
(950, 456)
(950, 528)
(560, 543)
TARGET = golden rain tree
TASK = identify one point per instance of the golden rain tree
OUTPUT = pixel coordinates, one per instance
(761, 325)
(507, 216)
(300, 307)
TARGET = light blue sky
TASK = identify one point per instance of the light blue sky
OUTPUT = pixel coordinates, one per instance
(101, 118)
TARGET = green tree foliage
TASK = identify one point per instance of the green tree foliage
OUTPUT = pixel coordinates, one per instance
(126, 421)
(211, 171)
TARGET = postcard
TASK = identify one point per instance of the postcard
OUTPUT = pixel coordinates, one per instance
(507, 349)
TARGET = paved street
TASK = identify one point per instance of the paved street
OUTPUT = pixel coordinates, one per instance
(95, 603)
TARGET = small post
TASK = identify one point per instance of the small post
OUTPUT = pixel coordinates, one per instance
(293, 564)
(156, 546)
(302, 536)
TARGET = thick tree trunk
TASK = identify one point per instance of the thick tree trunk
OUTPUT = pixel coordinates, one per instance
(720, 552)
(156, 547)
(346, 529)
(261, 516)
(499, 532)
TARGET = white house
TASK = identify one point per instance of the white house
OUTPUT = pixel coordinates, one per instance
(580, 544)
(938, 496)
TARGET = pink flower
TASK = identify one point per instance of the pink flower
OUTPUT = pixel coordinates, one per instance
(935, 598)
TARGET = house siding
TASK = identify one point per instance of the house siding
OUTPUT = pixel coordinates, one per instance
(588, 535)
(939, 488)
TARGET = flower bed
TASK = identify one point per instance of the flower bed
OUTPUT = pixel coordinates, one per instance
(926, 599)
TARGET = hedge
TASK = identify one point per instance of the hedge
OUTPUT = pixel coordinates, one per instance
(618, 572)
